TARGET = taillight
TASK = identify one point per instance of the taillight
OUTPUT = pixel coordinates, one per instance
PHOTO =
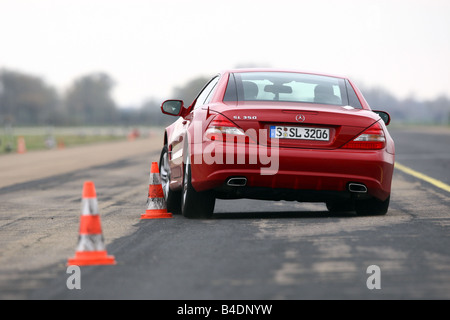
(221, 129)
(371, 139)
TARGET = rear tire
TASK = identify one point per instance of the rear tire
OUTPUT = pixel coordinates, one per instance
(372, 207)
(195, 204)
(173, 198)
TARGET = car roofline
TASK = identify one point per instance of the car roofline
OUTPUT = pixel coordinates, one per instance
(242, 70)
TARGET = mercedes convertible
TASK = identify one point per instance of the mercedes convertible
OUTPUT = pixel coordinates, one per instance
(277, 135)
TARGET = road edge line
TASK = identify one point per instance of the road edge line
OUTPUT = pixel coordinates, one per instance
(423, 177)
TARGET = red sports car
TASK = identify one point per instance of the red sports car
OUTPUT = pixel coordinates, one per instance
(277, 135)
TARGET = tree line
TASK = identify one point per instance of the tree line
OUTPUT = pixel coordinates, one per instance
(410, 110)
(27, 100)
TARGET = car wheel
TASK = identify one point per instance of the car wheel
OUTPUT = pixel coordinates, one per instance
(195, 204)
(372, 207)
(173, 198)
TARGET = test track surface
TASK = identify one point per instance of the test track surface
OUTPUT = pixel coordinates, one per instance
(248, 250)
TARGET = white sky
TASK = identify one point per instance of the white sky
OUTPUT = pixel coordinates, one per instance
(150, 46)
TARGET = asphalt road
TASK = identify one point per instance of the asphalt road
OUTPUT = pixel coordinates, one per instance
(248, 250)
(426, 150)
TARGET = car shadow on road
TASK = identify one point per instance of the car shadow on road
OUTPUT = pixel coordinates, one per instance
(282, 215)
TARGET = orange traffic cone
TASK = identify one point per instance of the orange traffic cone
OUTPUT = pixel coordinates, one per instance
(61, 144)
(21, 145)
(156, 204)
(91, 248)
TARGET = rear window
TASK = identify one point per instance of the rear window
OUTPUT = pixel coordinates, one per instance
(287, 87)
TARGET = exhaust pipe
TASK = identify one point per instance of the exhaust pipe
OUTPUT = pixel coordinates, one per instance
(237, 182)
(357, 187)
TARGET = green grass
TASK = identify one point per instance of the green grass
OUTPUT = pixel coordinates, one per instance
(39, 141)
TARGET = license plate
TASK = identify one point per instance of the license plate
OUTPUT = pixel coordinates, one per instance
(301, 133)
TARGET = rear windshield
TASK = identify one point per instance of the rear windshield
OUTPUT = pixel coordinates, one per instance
(287, 87)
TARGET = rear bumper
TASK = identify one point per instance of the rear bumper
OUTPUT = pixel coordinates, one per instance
(297, 174)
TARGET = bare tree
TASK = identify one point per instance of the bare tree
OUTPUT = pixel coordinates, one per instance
(26, 100)
(89, 101)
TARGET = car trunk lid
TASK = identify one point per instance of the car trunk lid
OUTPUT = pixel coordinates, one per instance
(299, 125)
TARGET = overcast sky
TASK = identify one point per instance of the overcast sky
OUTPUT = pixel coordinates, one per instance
(150, 46)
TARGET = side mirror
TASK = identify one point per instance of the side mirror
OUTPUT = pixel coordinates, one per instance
(384, 116)
(172, 107)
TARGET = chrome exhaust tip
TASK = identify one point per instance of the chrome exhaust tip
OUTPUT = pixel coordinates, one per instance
(357, 187)
(237, 182)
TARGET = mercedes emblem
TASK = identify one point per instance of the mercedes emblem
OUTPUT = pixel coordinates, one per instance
(300, 118)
